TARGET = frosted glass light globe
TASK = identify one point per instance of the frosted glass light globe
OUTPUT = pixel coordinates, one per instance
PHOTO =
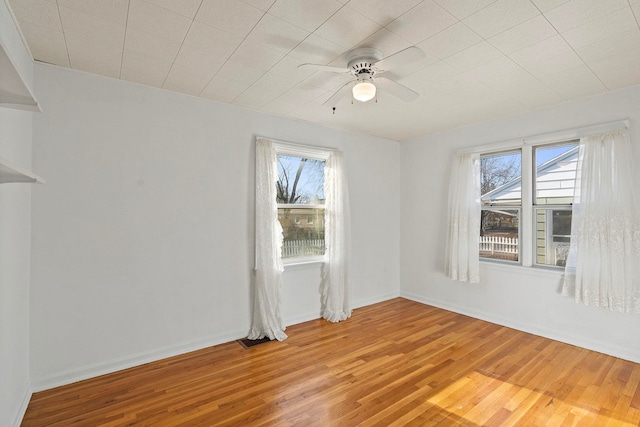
(364, 91)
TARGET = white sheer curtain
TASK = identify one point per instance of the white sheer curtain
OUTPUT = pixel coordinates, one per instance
(335, 272)
(463, 230)
(267, 320)
(603, 266)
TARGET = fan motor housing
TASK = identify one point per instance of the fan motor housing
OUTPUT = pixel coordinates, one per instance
(361, 61)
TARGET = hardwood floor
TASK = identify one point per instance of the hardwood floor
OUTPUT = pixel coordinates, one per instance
(393, 363)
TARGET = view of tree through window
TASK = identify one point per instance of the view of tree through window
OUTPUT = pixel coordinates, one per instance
(300, 197)
(501, 201)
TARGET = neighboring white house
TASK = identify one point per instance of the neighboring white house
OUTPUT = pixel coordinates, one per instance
(555, 183)
(554, 188)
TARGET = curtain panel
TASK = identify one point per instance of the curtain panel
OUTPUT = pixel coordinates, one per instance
(603, 266)
(267, 318)
(463, 228)
(335, 292)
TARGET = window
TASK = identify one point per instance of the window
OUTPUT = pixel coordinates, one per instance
(501, 204)
(300, 194)
(547, 196)
(554, 183)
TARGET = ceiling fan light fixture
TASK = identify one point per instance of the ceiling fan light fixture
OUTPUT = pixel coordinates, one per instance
(364, 91)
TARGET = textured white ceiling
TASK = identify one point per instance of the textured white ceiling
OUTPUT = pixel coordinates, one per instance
(484, 58)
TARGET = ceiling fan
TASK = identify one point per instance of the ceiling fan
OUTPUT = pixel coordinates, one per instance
(366, 65)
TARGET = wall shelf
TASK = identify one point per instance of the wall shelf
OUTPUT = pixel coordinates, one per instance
(14, 93)
(12, 173)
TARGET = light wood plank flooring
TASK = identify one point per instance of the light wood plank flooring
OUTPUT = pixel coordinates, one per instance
(394, 363)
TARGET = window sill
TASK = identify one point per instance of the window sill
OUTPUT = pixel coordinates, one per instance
(550, 272)
(302, 262)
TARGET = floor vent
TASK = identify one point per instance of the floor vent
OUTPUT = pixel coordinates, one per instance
(246, 342)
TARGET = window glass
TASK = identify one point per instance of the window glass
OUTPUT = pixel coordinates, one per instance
(555, 173)
(300, 194)
(500, 182)
(300, 180)
(501, 190)
(553, 233)
(302, 238)
(561, 226)
(554, 184)
(499, 234)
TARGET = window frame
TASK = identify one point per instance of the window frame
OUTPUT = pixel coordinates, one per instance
(527, 230)
(549, 207)
(526, 144)
(507, 206)
(316, 153)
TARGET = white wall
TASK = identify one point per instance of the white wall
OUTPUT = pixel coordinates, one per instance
(143, 235)
(516, 297)
(15, 240)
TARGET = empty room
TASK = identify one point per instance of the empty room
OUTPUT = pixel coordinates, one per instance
(319, 212)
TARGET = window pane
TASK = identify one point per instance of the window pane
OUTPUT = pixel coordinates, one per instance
(553, 232)
(555, 173)
(499, 231)
(302, 238)
(300, 180)
(500, 182)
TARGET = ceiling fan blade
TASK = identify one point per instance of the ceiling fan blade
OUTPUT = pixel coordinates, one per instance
(396, 89)
(406, 56)
(340, 93)
(320, 67)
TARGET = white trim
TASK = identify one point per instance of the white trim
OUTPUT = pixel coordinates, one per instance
(355, 305)
(299, 206)
(300, 261)
(526, 214)
(374, 300)
(22, 408)
(115, 365)
(552, 334)
(109, 366)
(300, 150)
(558, 136)
(296, 320)
(540, 270)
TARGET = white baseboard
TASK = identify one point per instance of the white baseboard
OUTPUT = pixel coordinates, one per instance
(301, 319)
(107, 367)
(22, 408)
(579, 341)
(357, 304)
(375, 300)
